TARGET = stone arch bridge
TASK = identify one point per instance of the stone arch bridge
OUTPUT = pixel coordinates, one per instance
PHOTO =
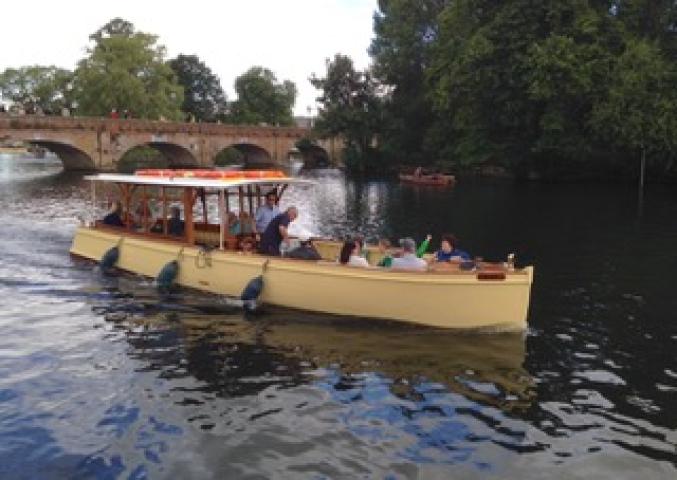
(99, 144)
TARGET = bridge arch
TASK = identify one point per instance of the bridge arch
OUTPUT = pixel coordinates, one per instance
(170, 155)
(72, 157)
(312, 155)
(249, 155)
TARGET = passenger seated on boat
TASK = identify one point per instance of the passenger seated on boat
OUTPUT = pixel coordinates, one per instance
(247, 226)
(384, 249)
(247, 246)
(175, 226)
(233, 224)
(409, 260)
(448, 251)
(350, 255)
(114, 217)
(266, 212)
(276, 232)
(305, 251)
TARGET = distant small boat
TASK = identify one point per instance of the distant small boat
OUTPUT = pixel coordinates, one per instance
(434, 179)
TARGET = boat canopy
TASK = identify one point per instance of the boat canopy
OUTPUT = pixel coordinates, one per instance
(197, 182)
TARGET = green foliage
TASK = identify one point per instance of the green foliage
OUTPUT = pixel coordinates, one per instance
(46, 88)
(554, 86)
(349, 107)
(262, 99)
(125, 70)
(228, 156)
(141, 157)
(639, 112)
(204, 98)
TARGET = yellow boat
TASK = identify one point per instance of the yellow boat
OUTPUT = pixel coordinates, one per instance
(492, 298)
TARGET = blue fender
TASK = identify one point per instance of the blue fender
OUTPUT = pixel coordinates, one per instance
(167, 275)
(253, 289)
(110, 258)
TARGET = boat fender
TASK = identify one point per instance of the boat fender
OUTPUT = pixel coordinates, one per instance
(252, 292)
(167, 275)
(110, 258)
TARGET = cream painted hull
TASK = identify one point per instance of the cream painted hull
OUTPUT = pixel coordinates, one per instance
(447, 300)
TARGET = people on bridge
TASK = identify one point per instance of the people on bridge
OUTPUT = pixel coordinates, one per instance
(306, 250)
(114, 216)
(175, 226)
(276, 233)
(408, 260)
(448, 251)
(266, 212)
(350, 255)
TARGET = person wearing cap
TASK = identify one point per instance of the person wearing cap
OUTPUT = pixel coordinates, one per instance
(408, 260)
(305, 251)
(276, 232)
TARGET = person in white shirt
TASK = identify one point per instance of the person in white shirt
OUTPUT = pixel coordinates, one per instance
(350, 255)
(408, 260)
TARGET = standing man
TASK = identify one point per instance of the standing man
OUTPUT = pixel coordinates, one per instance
(266, 212)
(276, 232)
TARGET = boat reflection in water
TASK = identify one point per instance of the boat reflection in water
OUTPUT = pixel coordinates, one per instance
(232, 356)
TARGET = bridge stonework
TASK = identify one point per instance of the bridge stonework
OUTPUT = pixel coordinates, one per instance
(99, 144)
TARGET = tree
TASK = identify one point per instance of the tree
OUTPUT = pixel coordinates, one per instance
(350, 107)
(203, 96)
(125, 70)
(405, 32)
(640, 111)
(46, 88)
(262, 99)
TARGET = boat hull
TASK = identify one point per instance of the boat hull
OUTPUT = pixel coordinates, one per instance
(428, 180)
(435, 299)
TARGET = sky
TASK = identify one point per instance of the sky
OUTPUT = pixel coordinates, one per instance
(290, 37)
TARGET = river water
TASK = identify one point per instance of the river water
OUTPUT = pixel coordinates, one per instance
(101, 377)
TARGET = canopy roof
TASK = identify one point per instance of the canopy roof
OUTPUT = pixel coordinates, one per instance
(219, 183)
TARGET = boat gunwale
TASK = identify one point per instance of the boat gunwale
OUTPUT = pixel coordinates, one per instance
(322, 267)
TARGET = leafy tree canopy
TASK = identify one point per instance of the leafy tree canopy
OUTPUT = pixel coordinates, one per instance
(262, 99)
(125, 70)
(204, 98)
(46, 88)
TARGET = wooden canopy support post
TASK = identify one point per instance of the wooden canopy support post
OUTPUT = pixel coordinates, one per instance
(188, 202)
(258, 197)
(165, 221)
(145, 207)
(250, 200)
(222, 218)
(241, 198)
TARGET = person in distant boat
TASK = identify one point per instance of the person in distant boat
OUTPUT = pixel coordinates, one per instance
(175, 226)
(408, 260)
(305, 251)
(448, 251)
(266, 212)
(276, 232)
(350, 255)
(418, 172)
(114, 217)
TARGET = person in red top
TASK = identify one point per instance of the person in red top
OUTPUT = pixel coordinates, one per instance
(114, 114)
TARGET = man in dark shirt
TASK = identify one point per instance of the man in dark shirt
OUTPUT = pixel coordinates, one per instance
(276, 232)
(114, 218)
(175, 225)
(305, 251)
